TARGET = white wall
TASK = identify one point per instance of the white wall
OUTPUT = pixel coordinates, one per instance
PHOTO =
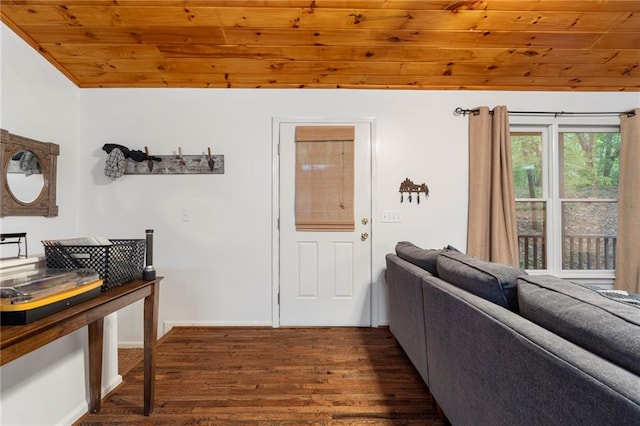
(218, 265)
(40, 103)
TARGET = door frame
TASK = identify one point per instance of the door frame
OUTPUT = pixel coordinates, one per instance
(275, 206)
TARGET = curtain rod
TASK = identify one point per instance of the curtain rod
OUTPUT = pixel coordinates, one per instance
(464, 112)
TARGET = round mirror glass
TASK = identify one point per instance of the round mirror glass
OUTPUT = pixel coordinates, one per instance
(24, 176)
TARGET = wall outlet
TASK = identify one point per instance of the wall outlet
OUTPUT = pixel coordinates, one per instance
(391, 216)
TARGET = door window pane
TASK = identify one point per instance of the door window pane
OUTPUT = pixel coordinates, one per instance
(324, 184)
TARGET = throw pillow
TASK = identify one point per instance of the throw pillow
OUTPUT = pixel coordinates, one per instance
(424, 258)
(491, 281)
(604, 326)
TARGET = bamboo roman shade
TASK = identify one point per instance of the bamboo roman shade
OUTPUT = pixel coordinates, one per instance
(324, 178)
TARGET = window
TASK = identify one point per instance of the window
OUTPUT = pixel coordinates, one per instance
(325, 178)
(566, 184)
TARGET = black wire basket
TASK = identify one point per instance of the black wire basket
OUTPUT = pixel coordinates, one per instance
(117, 263)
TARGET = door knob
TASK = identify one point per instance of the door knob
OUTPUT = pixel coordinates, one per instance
(364, 221)
(364, 236)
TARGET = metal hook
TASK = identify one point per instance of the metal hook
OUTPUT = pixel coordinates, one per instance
(182, 163)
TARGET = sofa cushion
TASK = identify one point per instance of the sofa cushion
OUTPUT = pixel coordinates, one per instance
(491, 281)
(424, 258)
(602, 325)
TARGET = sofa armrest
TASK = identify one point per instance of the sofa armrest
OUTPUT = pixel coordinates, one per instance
(406, 316)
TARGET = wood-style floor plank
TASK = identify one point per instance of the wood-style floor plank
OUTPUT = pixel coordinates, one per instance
(284, 376)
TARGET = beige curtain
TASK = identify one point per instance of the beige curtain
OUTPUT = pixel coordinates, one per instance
(492, 232)
(628, 248)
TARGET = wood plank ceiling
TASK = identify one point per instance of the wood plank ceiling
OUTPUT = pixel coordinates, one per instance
(381, 44)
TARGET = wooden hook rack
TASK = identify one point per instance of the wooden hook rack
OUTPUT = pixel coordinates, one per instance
(176, 164)
(409, 187)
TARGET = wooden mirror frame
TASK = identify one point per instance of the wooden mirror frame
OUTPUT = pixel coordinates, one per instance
(47, 153)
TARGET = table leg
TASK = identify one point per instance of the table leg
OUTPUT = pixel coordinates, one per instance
(96, 330)
(150, 340)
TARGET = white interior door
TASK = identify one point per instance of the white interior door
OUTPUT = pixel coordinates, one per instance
(325, 277)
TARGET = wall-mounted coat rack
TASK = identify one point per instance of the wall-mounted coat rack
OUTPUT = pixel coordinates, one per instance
(409, 187)
(176, 164)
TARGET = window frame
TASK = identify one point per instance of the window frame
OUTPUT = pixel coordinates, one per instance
(550, 128)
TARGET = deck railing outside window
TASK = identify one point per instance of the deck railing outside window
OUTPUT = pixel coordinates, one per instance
(578, 252)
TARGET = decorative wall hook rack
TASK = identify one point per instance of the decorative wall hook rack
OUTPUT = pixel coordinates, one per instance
(177, 164)
(409, 187)
(135, 162)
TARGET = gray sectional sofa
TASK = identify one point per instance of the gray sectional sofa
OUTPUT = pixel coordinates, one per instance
(499, 347)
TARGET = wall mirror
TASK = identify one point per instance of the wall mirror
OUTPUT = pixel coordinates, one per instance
(28, 176)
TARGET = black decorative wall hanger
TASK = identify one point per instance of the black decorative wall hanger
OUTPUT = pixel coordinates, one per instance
(409, 187)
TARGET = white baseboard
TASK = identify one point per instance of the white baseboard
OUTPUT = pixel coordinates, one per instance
(130, 345)
(111, 386)
(168, 325)
(75, 415)
(83, 408)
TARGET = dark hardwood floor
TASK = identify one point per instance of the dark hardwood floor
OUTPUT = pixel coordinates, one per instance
(128, 358)
(282, 376)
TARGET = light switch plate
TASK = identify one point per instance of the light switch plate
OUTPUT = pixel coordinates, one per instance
(185, 215)
(391, 216)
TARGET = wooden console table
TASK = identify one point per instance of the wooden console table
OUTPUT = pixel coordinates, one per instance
(18, 340)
